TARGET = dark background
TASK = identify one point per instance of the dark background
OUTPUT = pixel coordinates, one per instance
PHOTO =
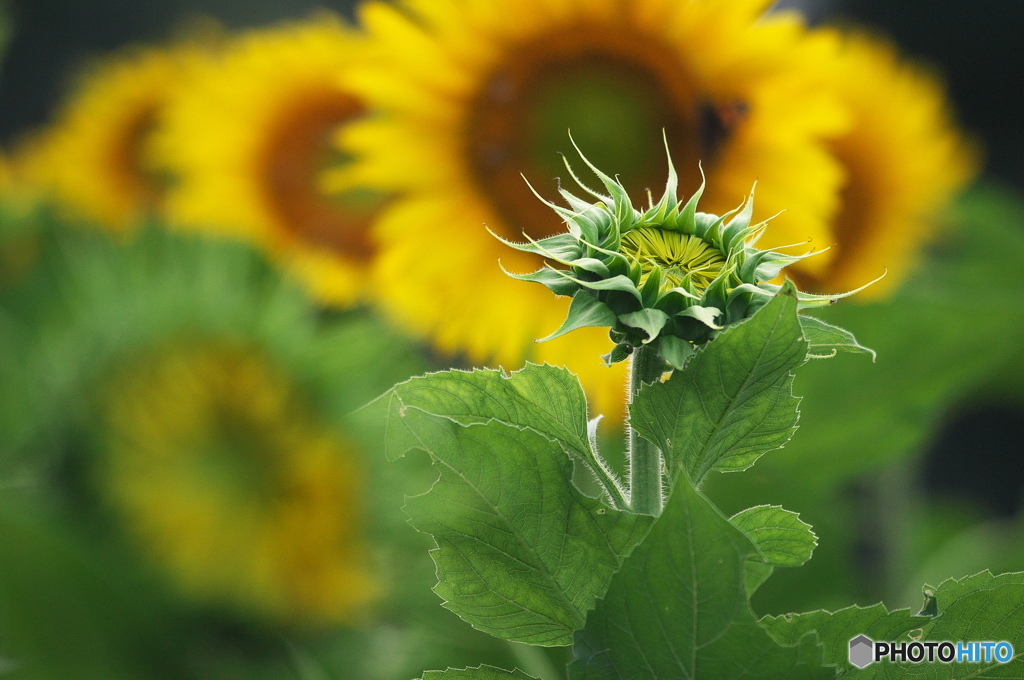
(977, 45)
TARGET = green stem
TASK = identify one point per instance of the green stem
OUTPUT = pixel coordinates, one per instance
(645, 461)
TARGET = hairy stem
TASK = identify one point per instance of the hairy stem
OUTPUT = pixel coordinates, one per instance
(645, 460)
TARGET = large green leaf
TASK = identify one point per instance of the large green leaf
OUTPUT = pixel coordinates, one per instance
(479, 673)
(521, 554)
(679, 609)
(834, 630)
(545, 399)
(734, 401)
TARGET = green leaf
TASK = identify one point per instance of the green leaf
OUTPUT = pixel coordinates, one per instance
(678, 609)
(584, 310)
(650, 321)
(706, 315)
(548, 277)
(782, 540)
(755, 574)
(834, 630)
(675, 351)
(545, 399)
(521, 554)
(734, 401)
(980, 607)
(825, 340)
(478, 673)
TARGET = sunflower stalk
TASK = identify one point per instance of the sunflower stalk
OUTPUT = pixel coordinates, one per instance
(646, 491)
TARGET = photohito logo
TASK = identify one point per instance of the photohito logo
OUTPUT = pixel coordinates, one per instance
(864, 651)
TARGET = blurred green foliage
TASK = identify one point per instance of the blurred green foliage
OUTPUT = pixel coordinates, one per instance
(954, 333)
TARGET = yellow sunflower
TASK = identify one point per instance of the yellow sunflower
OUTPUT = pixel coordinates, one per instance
(93, 159)
(247, 145)
(474, 93)
(230, 484)
(903, 158)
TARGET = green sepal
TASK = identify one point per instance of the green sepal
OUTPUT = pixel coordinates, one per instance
(737, 228)
(675, 350)
(551, 279)
(825, 340)
(650, 321)
(584, 310)
(616, 283)
(650, 291)
(591, 265)
(706, 315)
(620, 352)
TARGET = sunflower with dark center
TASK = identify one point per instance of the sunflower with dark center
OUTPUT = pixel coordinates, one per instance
(903, 158)
(668, 277)
(247, 145)
(93, 160)
(232, 486)
(469, 99)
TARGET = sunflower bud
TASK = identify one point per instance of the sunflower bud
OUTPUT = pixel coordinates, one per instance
(669, 277)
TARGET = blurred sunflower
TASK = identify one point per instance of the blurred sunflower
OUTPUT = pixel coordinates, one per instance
(185, 385)
(472, 98)
(19, 204)
(903, 158)
(227, 480)
(93, 159)
(247, 144)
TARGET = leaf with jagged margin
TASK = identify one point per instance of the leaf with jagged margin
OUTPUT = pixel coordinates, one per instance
(734, 401)
(982, 607)
(478, 673)
(546, 399)
(834, 630)
(781, 537)
(825, 340)
(678, 609)
(521, 554)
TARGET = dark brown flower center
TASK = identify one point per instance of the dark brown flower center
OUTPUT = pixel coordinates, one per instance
(615, 90)
(127, 157)
(298, 148)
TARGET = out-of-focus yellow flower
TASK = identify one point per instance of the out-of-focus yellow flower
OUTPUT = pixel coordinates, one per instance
(19, 245)
(903, 158)
(475, 93)
(93, 159)
(247, 144)
(228, 481)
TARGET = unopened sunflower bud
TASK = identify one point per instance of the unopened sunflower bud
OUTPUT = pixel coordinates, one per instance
(669, 276)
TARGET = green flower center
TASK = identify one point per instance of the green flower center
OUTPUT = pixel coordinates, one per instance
(685, 261)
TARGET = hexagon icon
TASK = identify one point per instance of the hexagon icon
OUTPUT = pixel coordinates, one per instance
(862, 651)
